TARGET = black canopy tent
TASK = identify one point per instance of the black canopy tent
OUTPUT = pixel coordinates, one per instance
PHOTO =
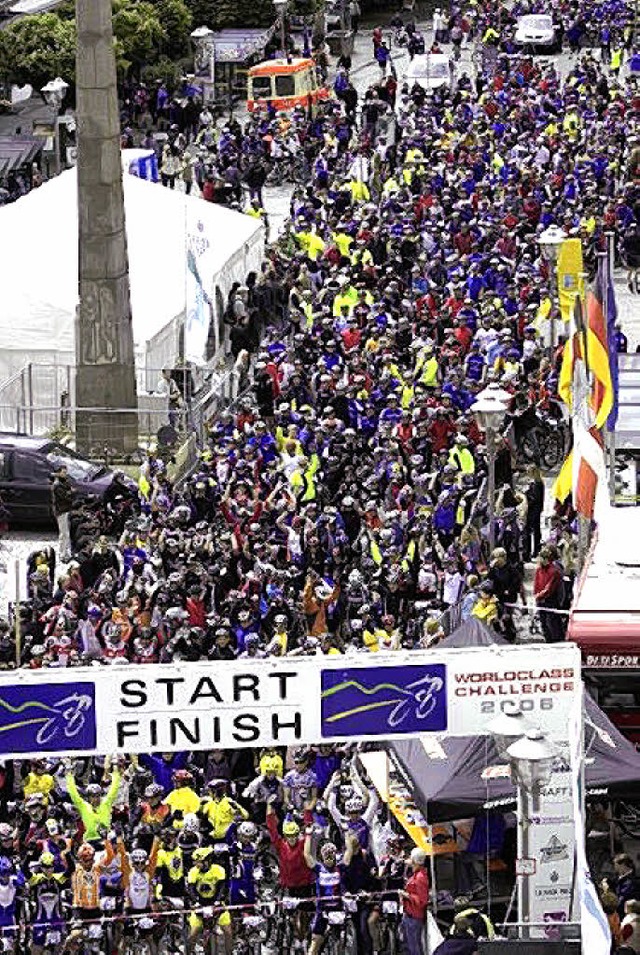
(462, 782)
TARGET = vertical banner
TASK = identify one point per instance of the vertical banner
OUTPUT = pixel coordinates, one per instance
(552, 848)
(198, 280)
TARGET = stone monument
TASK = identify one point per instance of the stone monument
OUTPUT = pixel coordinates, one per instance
(105, 366)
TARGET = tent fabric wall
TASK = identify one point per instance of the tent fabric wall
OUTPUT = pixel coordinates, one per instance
(39, 255)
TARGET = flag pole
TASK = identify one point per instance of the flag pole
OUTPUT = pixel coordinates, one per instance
(608, 262)
(584, 524)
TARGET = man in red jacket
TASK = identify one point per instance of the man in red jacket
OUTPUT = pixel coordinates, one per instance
(296, 878)
(415, 898)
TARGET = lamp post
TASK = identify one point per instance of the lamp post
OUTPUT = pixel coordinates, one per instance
(550, 241)
(531, 760)
(489, 413)
(54, 93)
(280, 7)
(509, 727)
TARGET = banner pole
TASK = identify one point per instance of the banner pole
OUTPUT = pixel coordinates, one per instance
(16, 611)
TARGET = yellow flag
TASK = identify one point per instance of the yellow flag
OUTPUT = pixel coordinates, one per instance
(565, 379)
(570, 269)
(564, 482)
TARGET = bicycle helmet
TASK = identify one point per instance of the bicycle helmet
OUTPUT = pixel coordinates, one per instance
(86, 852)
(153, 791)
(6, 832)
(138, 857)
(290, 828)
(93, 789)
(328, 852)
(301, 755)
(247, 830)
(355, 804)
(47, 860)
(182, 776)
(202, 853)
(5, 866)
(190, 823)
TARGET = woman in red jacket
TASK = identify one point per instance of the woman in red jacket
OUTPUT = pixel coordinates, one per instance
(415, 898)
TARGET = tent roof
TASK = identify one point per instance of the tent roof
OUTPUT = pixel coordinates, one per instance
(39, 254)
(451, 787)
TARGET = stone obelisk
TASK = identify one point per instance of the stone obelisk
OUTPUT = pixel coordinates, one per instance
(105, 368)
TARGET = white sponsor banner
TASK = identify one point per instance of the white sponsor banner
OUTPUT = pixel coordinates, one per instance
(198, 277)
(552, 845)
(301, 700)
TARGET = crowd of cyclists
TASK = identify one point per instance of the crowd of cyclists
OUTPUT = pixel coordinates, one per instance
(338, 507)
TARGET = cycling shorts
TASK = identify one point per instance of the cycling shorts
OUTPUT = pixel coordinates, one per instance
(196, 921)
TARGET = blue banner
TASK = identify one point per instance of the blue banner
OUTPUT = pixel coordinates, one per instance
(47, 717)
(376, 701)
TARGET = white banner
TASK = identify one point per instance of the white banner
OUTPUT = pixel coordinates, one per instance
(293, 700)
(199, 272)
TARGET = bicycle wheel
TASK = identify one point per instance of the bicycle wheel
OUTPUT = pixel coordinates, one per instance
(530, 446)
(552, 450)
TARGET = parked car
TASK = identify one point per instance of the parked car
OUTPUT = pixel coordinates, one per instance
(430, 70)
(27, 467)
(537, 31)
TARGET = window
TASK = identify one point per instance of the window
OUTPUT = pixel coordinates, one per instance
(4, 466)
(285, 85)
(30, 468)
(261, 86)
(77, 467)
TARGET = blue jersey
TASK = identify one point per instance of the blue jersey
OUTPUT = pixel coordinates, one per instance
(242, 887)
(9, 892)
(328, 885)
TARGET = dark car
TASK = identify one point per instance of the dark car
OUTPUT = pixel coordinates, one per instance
(27, 466)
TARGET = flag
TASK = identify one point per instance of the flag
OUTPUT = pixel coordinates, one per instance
(612, 318)
(563, 484)
(569, 272)
(593, 921)
(598, 346)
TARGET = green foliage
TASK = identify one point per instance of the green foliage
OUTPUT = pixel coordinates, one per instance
(219, 14)
(38, 48)
(169, 71)
(138, 32)
(177, 23)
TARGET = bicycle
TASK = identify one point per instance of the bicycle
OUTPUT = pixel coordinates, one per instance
(390, 926)
(341, 934)
(543, 444)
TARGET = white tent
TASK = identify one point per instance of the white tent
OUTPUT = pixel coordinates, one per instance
(165, 230)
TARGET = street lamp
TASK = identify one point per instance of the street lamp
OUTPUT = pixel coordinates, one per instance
(280, 7)
(531, 759)
(54, 93)
(550, 241)
(509, 727)
(489, 413)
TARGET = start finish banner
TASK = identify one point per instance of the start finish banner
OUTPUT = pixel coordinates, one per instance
(263, 702)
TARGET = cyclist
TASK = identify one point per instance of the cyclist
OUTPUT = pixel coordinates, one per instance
(138, 869)
(300, 783)
(183, 798)
(47, 890)
(12, 883)
(242, 843)
(205, 884)
(85, 881)
(329, 878)
(220, 810)
(96, 810)
(296, 878)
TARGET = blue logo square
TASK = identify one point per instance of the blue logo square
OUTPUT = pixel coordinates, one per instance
(47, 717)
(384, 701)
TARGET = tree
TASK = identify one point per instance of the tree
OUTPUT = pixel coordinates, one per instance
(218, 14)
(176, 21)
(138, 33)
(38, 48)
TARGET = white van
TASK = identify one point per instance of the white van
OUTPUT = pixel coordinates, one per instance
(430, 70)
